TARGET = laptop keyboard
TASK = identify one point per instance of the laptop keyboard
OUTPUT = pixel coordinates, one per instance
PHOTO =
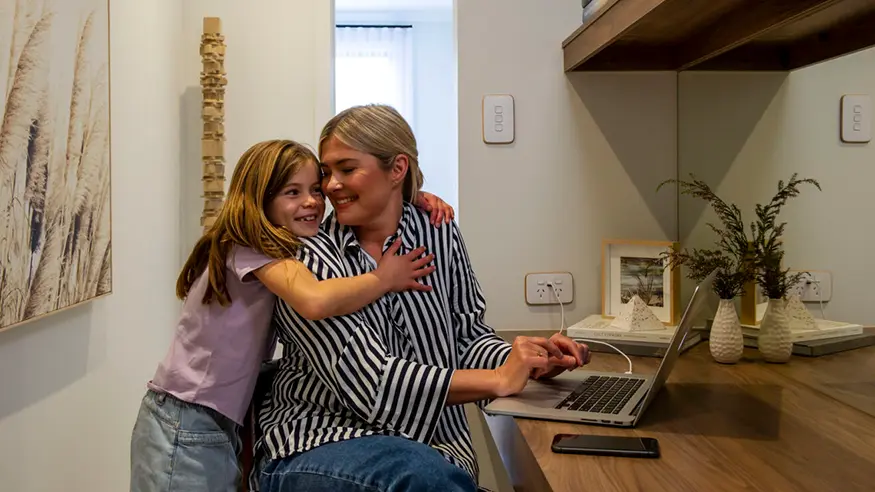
(601, 394)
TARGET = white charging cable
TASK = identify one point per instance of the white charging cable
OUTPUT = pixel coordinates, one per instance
(820, 299)
(561, 307)
(609, 345)
(812, 280)
(562, 328)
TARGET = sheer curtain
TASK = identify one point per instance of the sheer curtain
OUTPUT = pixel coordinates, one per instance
(374, 65)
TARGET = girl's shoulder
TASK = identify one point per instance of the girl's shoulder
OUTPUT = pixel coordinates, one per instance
(242, 260)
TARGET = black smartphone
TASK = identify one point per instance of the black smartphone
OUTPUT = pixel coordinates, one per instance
(635, 447)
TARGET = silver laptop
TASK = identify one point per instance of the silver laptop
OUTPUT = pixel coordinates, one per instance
(603, 398)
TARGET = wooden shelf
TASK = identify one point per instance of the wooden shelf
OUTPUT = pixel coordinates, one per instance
(720, 34)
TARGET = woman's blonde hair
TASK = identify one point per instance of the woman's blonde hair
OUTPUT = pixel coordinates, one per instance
(261, 173)
(381, 131)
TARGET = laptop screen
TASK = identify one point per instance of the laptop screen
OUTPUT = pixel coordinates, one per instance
(673, 351)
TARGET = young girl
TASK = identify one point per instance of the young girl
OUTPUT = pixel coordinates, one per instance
(186, 434)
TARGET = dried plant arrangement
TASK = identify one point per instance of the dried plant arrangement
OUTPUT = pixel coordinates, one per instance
(767, 232)
(732, 255)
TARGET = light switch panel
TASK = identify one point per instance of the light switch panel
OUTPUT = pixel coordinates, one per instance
(856, 118)
(498, 119)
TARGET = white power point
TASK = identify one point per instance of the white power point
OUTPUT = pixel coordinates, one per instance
(498, 121)
(856, 118)
(814, 286)
(539, 288)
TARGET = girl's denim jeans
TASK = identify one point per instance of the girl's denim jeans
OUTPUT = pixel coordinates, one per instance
(184, 447)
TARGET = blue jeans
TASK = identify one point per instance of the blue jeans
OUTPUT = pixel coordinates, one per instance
(180, 446)
(366, 464)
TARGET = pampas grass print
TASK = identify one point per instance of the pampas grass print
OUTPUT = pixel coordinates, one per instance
(55, 236)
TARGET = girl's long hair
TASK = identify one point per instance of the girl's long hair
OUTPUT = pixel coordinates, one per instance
(262, 171)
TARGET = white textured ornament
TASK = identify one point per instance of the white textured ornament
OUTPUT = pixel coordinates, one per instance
(726, 341)
(774, 341)
(635, 315)
(800, 317)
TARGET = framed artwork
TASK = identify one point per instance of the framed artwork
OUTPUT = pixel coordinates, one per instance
(637, 268)
(55, 217)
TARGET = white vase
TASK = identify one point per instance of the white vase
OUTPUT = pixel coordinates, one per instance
(725, 340)
(774, 339)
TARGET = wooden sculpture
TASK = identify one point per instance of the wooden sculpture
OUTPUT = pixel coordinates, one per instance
(213, 81)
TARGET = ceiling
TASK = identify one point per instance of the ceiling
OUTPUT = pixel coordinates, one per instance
(391, 5)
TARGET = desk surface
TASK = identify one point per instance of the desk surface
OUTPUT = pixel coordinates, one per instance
(808, 425)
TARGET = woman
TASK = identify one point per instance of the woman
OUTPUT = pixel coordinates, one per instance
(186, 433)
(373, 400)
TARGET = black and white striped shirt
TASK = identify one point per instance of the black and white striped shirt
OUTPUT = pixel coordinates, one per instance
(385, 369)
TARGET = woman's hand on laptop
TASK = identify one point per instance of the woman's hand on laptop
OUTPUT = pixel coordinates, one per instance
(573, 355)
(528, 355)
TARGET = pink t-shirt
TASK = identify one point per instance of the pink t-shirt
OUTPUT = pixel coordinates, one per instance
(216, 352)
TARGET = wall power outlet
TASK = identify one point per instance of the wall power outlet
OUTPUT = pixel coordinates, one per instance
(814, 286)
(539, 290)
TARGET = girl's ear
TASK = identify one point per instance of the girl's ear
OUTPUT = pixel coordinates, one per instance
(400, 165)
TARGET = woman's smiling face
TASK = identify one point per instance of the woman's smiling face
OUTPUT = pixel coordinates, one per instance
(355, 182)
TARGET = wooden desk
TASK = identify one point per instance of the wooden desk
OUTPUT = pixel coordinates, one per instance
(849, 377)
(808, 425)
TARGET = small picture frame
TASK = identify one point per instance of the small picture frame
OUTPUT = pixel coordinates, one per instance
(632, 267)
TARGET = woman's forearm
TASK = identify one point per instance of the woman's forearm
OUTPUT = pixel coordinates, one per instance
(470, 385)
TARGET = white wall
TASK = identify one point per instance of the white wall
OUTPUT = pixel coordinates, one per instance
(71, 383)
(59, 427)
(742, 132)
(434, 85)
(590, 150)
(280, 82)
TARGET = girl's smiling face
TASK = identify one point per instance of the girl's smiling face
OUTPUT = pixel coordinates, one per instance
(300, 205)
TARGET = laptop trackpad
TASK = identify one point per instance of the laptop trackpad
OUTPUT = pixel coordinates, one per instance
(547, 393)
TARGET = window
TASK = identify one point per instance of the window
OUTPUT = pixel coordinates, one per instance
(373, 65)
